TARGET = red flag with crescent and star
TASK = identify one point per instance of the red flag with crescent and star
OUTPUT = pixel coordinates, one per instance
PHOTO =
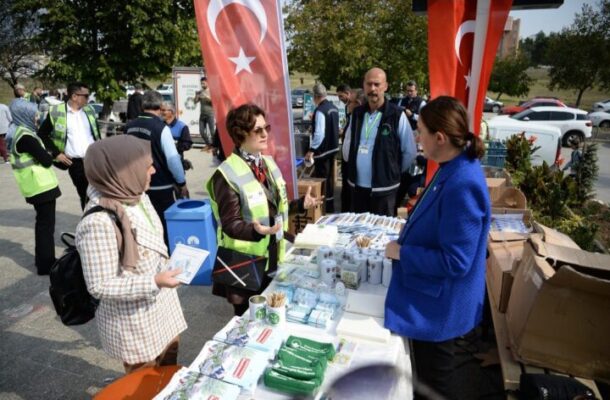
(242, 42)
(463, 38)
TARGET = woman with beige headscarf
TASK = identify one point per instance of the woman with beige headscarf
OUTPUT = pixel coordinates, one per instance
(139, 316)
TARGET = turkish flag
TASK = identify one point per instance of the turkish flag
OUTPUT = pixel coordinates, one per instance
(242, 42)
(463, 38)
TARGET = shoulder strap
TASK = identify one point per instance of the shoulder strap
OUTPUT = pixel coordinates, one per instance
(99, 208)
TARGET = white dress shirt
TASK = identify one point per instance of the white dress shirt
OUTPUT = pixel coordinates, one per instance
(79, 133)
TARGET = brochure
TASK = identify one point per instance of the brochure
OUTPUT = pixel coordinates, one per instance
(240, 331)
(189, 259)
(187, 384)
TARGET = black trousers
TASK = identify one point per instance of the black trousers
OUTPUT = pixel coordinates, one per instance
(325, 168)
(380, 205)
(346, 190)
(77, 173)
(433, 364)
(161, 201)
(206, 128)
(44, 239)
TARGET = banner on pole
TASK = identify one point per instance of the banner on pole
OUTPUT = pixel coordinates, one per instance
(242, 42)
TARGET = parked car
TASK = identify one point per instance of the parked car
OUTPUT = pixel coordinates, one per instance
(603, 105)
(535, 102)
(166, 89)
(297, 96)
(600, 118)
(547, 137)
(572, 122)
(492, 105)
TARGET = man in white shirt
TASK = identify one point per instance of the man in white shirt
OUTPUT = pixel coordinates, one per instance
(68, 131)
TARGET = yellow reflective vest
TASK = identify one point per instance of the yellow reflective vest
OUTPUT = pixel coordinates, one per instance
(253, 201)
(32, 178)
(59, 135)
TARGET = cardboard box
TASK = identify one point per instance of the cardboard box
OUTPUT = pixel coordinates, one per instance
(495, 172)
(559, 308)
(510, 197)
(495, 187)
(502, 257)
(297, 221)
(497, 236)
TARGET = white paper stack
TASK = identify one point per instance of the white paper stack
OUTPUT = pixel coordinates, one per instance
(314, 236)
(240, 331)
(358, 326)
(366, 304)
(241, 366)
(187, 384)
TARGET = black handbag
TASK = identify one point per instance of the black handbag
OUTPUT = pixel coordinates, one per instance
(248, 268)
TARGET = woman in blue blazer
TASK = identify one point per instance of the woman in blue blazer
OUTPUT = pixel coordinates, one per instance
(438, 280)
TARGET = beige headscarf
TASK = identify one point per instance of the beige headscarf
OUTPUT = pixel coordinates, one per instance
(118, 168)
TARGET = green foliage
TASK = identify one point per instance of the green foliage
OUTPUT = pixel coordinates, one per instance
(510, 76)
(108, 43)
(579, 56)
(586, 174)
(534, 49)
(580, 229)
(340, 40)
(518, 154)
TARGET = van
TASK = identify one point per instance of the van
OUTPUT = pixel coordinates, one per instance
(547, 137)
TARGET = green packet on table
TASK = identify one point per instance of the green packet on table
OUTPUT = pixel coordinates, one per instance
(287, 384)
(297, 358)
(311, 347)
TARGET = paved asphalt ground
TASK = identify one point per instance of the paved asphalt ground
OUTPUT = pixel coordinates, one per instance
(42, 359)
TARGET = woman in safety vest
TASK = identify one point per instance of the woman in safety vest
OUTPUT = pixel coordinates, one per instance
(249, 200)
(37, 182)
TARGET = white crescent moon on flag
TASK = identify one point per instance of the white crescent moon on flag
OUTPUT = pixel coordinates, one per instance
(466, 27)
(216, 7)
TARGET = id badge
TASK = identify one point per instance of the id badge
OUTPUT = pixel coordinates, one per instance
(279, 235)
(363, 149)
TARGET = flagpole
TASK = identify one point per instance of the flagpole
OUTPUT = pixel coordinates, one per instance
(480, 37)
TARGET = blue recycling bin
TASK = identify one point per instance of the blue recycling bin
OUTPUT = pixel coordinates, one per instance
(192, 223)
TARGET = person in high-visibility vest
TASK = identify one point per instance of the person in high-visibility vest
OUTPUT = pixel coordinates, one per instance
(249, 199)
(38, 184)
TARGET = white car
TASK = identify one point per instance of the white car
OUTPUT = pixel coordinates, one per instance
(166, 88)
(547, 138)
(603, 105)
(572, 122)
(600, 118)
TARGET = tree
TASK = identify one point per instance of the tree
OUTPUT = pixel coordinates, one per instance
(579, 55)
(340, 40)
(509, 76)
(18, 49)
(534, 48)
(105, 44)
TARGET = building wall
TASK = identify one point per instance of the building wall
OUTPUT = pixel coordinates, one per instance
(509, 44)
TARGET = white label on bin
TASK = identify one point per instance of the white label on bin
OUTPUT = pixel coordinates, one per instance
(192, 241)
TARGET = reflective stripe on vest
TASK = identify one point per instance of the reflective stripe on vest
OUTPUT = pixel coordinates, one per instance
(32, 178)
(59, 121)
(253, 203)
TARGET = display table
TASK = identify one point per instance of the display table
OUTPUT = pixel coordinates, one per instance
(394, 353)
(142, 384)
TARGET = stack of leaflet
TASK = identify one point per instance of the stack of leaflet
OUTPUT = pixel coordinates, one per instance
(241, 366)
(304, 300)
(187, 384)
(300, 367)
(324, 311)
(314, 236)
(241, 331)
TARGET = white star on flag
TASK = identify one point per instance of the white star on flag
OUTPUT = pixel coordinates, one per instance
(468, 78)
(242, 62)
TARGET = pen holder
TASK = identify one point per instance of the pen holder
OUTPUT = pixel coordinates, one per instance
(258, 310)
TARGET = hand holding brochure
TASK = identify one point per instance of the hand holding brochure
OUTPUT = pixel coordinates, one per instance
(189, 259)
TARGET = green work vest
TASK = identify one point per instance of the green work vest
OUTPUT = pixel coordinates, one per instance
(60, 124)
(253, 203)
(32, 178)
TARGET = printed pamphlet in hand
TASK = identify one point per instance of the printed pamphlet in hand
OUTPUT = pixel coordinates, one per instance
(189, 259)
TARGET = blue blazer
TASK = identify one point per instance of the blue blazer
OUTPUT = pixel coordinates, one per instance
(438, 286)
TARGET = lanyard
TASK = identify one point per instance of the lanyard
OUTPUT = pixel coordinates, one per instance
(146, 214)
(368, 127)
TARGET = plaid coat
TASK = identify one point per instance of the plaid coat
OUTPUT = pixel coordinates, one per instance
(135, 319)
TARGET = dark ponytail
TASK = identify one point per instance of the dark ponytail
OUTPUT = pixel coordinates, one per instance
(446, 114)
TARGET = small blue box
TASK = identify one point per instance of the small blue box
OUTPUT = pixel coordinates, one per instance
(192, 223)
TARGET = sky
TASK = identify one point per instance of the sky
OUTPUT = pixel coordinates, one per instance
(549, 20)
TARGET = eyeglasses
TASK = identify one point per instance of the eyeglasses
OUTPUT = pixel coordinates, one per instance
(259, 130)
